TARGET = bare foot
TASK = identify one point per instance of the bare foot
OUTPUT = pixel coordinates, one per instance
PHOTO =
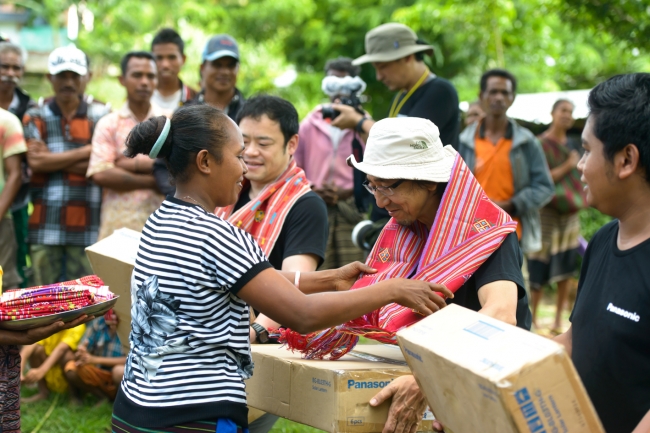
(36, 397)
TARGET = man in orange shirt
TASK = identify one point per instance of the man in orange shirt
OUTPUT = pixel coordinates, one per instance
(507, 159)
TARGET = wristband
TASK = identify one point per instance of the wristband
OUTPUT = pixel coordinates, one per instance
(359, 127)
(296, 280)
(261, 332)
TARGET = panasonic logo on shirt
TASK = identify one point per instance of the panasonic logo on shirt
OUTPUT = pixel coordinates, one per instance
(623, 313)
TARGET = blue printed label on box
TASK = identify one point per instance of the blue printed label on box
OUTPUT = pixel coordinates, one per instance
(536, 409)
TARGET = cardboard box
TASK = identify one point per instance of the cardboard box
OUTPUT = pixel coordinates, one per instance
(112, 259)
(482, 375)
(329, 395)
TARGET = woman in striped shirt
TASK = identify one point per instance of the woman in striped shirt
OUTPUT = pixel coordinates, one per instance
(195, 276)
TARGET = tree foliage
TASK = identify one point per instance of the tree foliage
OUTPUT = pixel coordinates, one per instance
(625, 20)
(548, 44)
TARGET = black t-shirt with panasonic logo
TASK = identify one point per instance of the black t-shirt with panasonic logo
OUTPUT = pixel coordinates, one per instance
(611, 329)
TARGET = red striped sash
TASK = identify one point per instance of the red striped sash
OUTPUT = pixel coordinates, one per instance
(264, 216)
(467, 229)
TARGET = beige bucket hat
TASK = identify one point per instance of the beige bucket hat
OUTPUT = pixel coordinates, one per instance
(406, 148)
(390, 42)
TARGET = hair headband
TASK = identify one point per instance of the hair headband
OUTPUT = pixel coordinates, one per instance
(155, 150)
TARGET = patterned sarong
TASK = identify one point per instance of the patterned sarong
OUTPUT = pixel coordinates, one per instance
(570, 195)
(467, 229)
(94, 376)
(264, 216)
(9, 389)
(55, 298)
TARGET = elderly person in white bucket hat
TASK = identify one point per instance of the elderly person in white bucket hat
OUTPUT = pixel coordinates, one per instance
(398, 58)
(413, 176)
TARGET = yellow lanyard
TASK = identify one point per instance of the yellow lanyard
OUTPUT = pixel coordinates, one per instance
(394, 111)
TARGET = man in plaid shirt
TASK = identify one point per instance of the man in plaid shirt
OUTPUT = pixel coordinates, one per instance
(66, 204)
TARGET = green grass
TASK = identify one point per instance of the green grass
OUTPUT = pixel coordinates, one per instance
(65, 417)
(286, 426)
(92, 417)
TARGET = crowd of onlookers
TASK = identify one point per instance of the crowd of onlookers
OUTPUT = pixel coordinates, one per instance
(65, 155)
(70, 163)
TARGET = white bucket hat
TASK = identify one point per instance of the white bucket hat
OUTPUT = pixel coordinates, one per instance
(406, 148)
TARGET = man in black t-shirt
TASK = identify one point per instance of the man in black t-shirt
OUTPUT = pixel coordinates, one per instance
(270, 126)
(397, 55)
(609, 337)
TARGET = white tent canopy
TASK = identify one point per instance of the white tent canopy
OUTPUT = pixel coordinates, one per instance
(536, 107)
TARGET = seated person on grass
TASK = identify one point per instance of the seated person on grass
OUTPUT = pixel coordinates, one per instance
(98, 366)
(46, 360)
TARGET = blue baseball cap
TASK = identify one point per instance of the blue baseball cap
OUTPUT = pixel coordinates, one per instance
(220, 46)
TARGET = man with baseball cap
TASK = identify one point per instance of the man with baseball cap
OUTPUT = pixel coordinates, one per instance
(65, 219)
(219, 75)
(417, 179)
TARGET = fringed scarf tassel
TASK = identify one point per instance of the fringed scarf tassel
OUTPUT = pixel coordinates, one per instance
(333, 343)
(317, 345)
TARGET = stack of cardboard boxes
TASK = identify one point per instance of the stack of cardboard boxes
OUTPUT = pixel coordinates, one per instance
(330, 395)
(478, 374)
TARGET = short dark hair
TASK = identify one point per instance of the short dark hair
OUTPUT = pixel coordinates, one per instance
(168, 36)
(620, 109)
(124, 63)
(498, 73)
(343, 64)
(193, 128)
(419, 56)
(277, 109)
(561, 101)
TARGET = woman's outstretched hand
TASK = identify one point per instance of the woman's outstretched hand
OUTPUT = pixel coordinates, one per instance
(33, 335)
(418, 295)
(347, 275)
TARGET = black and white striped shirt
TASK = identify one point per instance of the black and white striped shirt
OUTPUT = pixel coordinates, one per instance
(189, 341)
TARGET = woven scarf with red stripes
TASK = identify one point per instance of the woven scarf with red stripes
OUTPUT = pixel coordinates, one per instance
(264, 216)
(467, 229)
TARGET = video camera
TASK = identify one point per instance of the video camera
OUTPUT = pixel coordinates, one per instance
(346, 89)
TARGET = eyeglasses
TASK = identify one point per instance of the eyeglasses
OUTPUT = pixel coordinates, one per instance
(385, 190)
